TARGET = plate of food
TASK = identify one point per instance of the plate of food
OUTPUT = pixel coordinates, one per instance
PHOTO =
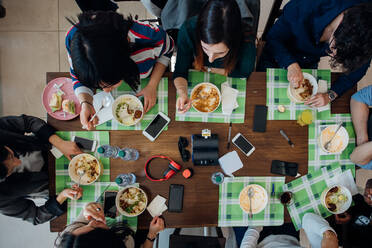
(307, 88)
(205, 97)
(131, 201)
(336, 199)
(86, 165)
(259, 199)
(59, 99)
(127, 110)
(339, 142)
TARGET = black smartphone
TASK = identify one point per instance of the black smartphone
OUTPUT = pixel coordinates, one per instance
(85, 144)
(260, 117)
(175, 198)
(109, 206)
(284, 168)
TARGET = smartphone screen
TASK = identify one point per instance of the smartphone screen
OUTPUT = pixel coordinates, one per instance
(243, 144)
(85, 144)
(109, 206)
(156, 126)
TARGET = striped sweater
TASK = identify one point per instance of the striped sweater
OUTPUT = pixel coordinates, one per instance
(145, 58)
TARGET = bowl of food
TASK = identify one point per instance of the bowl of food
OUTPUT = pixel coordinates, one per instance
(127, 110)
(339, 142)
(259, 199)
(336, 199)
(131, 201)
(85, 165)
(306, 89)
(205, 97)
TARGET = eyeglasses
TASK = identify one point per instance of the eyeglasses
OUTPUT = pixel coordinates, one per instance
(182, 144)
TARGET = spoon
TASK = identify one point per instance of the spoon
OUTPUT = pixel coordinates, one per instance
(326, 145)
(81, 173)
(250, 195)
(106, 102)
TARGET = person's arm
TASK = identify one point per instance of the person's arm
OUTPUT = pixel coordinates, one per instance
(68, 148)
(26, 209)
(156, 225)
(251, 237)
(359, 115)
(318, 231)
(347, 81)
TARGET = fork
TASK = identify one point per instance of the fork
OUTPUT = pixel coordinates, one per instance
(250, 195)
(81, 173)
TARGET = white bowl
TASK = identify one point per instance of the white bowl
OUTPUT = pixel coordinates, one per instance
(72, 172)
(313, 82)
(245, 191)
(126, 98)
(344, 207)
(341, 138)
(206, 84)
(117, 201)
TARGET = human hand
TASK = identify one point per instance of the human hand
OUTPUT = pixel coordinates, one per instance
(74, 193)
(319, 100)
(68, 148)
(87, 111)
(295, 75)
(329, 240)
(94, 211)
(149, 93)
(156, 225)
(183, 103)
(342, 218)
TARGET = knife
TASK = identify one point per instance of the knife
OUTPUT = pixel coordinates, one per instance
(286, 137)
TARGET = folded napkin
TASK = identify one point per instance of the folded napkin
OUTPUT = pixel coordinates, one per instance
(229, 96)
(230, 162)
(345, 179)
(106, 113)
(157, 206)
(323, 88)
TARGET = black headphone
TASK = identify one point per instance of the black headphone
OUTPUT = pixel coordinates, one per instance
(172, 169)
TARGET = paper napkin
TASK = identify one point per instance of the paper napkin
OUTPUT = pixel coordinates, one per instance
(106, 113)
(230, 162)
(229, 96)
(157, 206)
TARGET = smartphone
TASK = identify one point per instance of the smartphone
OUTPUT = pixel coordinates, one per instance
(156, 126)
(175, 202)
(284, 168)
(260, 117)
(109, 206)
(243, 144)
(85, 144)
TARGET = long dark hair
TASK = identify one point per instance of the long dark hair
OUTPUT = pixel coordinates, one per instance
(219, 21)
(3, 156)
(99, 237)
(100, 49)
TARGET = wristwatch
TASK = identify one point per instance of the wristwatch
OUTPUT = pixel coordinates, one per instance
(152, 240)
(331, 95)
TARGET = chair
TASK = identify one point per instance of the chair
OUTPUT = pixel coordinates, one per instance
(176, 240)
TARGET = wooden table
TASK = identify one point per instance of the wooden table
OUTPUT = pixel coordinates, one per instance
(200, 207)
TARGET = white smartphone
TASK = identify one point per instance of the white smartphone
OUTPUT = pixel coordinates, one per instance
(156, 126)
(243, 144)
(85, 144)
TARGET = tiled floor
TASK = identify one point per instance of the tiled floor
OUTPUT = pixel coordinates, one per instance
(31, 44)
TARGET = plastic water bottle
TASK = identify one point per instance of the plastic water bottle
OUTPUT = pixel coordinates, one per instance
(217, 178)
(108, 151)
(128, 154)
(125, 179)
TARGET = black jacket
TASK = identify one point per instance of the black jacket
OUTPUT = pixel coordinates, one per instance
(16, 188)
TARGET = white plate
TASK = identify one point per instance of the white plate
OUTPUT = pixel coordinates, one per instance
(345, 191)
(341, 136)
(71, 169)
(208, 84)
(121, 99)
(313, 82)
(117, 201)
(245, 191)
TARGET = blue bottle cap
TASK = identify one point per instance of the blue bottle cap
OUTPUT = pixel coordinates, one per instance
(100, 149)
(218, 178)
(118, 180)
(122, 153)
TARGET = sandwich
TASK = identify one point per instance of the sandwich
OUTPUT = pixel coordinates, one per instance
(55, 102)
(68, 106)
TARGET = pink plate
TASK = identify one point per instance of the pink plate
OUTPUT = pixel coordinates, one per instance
(69, 94)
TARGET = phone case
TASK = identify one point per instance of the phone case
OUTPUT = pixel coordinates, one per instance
(175, 198)
(284, 168)
(260, 117)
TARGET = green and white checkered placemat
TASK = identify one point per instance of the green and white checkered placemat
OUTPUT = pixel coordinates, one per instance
(160, 106)
(92, 193)
(62, 177)
(317, 158)
(276, 95)
(237, 115)
(230, 213)
(307, 191)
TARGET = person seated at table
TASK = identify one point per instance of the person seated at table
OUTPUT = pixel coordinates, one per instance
(212, 41)
(355, 226)
(91, 230)
(362, 121)
(308, 30)
(24, 169)
(317, 229)
(105, 48)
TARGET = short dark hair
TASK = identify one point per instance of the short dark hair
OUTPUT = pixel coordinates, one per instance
(100, 50)
(3, 156)
(353, 38)
(219, 21)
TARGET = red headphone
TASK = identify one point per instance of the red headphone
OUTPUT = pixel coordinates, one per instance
(173, 168)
